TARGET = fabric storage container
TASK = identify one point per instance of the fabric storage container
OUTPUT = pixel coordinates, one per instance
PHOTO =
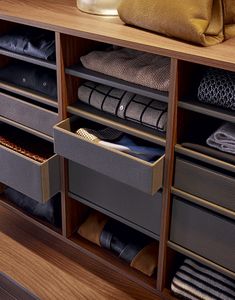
(205, 181)
(203, 232)
(144, 176)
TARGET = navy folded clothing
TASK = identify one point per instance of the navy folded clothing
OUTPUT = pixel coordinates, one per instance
(125, 105)
(217, 87)
(49, 211)
(31, 77)
(194, 281)
(30, 41)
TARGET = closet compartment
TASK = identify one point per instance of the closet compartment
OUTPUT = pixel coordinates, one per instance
(21, 110)
(37, 180)
(145, 176)
(202, 180)
(120, 201)
(204, 233)
(88, 239)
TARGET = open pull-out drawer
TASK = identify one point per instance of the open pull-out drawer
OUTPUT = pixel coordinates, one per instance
(120, 166)
(203, 232)
(28, 114)
(38, 180)
(204, 181)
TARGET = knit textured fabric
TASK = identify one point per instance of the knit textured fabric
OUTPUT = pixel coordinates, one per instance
(223, 138)
(125, 105)
(193, 281)
(217, 87)
(138, 67)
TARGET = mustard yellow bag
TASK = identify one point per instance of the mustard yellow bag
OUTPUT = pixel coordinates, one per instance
(229, 18)
(196, 21)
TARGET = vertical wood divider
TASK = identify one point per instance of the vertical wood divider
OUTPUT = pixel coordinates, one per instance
(168, 174)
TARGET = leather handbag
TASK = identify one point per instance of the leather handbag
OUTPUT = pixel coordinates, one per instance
(199, 22)
(229, 18)
(31, 77)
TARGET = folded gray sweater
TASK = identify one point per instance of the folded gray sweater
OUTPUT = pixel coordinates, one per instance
(125, 105)
(223, 138)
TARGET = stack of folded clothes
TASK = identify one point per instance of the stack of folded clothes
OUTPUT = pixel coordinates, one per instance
(117, 140)
(217, 87)
(196, 281)
(30, 41)
(25, 143)
(125, 105)
(223, 138)
(138, 67)
(29, 76)
(138, 250)
(49, 211)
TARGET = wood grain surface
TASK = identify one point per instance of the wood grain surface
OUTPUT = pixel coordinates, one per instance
(52, 270)
(63, 16)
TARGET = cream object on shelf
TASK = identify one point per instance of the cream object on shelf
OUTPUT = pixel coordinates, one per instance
(99, 7)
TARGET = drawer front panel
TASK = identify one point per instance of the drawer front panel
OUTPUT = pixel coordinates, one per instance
(38, 181)
(205, 183)
(28, 114)
(203, 232)
(120, 199)
(124, 168)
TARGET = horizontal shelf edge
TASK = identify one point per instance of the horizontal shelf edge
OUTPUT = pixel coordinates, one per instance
(30, 59)
(208, 110)
(203, 202)
(81, 72)
(201, 259)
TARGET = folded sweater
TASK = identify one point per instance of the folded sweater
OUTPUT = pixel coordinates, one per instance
(125, 105)
(138, 67)
(193, 281)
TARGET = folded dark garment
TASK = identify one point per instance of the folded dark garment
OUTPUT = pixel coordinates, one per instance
(135, 248)
(31, 77)
(114, 139)
(211, 152)
(24, 143)
(196, 281)
(30, 41)
(125, 105)
(49, 211)
(217, 87)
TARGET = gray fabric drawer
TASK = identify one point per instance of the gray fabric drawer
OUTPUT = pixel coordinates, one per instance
(28, 114)
(201, 231)
(39, 181)
(206, 183)
(125, 168)
(121, 200)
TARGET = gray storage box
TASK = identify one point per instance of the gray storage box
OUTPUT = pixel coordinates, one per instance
(116, 199)
(203, 182)
(203, 232)
(39, 181)
(28, 114)
(142, 175)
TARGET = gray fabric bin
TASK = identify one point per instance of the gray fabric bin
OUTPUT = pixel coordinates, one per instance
(206, 183)
(142, 175)
(203, 232)
(39, 181)
(28, 114)
(116, 199)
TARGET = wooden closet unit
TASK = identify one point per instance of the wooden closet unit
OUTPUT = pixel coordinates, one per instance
(165, 199)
